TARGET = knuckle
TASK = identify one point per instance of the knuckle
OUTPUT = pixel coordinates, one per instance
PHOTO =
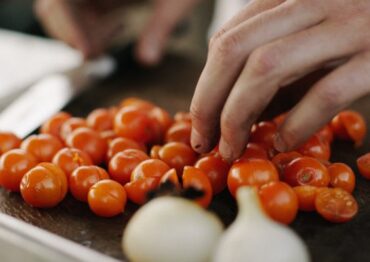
(216, 37)
(330, 96)
(230, 123)
(199, 115)
(263, 61)
(226, 48)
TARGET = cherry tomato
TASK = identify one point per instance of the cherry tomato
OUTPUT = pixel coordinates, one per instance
(120, 144)
(179, 132)
(123, 163)
(216, 170)
(108, 136)
(154, 151)
(162, 120)
(153, 168)
(44, 186)
(107, 198)
(336, 205)
(306, 171)
(13, 165)
(83, 178)
(138, 190)
(326, 134)
(182, 117)
(134, 123)
(171, 176)
(254, 172)
(279, 201)
(177, 155)
(68, 159)
(279, 120)
(90, 142)
(54, 124)
(43, 146)
(316, 147)
(100, 119)
(342, 176)
(263, 133)
(70, 125)
(8, 141)
(253, 150)
(137, 102)
(306, 197)
(363, 164)
(195, 177)
(281, 160)
(349, 125)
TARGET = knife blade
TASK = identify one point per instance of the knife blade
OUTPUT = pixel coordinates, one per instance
(50, 95)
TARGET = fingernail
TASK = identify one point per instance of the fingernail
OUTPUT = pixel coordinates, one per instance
(226, 150)
(199, 143)
(279, 143)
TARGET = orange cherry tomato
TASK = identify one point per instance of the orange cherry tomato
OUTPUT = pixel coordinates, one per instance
(90, 142)
(306, 171)
(281, 160)
(263, 133)
(179, 132)
(43, 146)
(306, 197)
(279, 120)
(162, 120)
(134, 123)
(83, 178)
(8, 141)
(154, 151)
(68, 159)
(196, 178)
(316, 147)
(123, 163)
(336, 205)
(326, 134)
(153, 168)
(363, 164)
(171, 176)
(107, 198)
(137, 102)
(108, 136)
(70, 125)
(120, 144)
(138, 190)
(100, 119)
(253, 150)
(216, 170)
(54, 124)
(342, 176)
(254, 172)
(182, 117)
(44, 186)
(279, 201)
(349, 125)
(13, 165)
(177, 155)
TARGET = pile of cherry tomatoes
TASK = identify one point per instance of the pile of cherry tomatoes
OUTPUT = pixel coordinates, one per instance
(123, 153)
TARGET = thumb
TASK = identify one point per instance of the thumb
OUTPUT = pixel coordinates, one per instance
(153, 39)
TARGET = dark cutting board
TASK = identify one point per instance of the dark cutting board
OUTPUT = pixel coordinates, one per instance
(171, 86)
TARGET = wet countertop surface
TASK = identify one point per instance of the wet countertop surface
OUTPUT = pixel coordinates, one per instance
(171, 86)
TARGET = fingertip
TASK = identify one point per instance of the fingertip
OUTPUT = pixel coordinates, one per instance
(279, 143)
(228, 152)
(200, 143)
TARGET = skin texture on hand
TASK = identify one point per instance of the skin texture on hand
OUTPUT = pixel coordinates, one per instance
(86, 24)
(268, 45)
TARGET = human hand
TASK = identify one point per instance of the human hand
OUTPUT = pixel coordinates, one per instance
(86, 24)
(267, 46)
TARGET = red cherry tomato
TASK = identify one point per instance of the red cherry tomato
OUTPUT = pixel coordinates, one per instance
(306, 171)
(349, 125)
(281, 160)
(179, 132)
(316, 147)
(182, 117)
(342, 176)
(83, 178)
(138, 190)
(100, 119)
(120, 144)
(13, 165)
(326, 134)
(68, 159)
(279, 120)
(306, 197)
(363, 164)
(154, 152)
(171, 176)
(254, 172)
(70, 125)
(216, 170)
(177, 155)
(8, 141)
(54, 124)
(107, 198)
(123, 163)
(194, 177)
(153, 168)
(44, 186)
(263, 133)
(133, 123)
(43, 146)
(253, 150)
(90, 142)
(279, 201)
(336, 205)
